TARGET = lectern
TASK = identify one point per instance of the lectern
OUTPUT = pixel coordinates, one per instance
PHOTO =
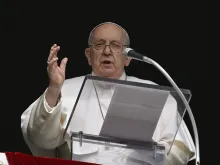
(124, 122)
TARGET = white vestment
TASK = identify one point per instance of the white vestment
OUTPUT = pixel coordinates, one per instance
(42, 126)
(3, 159)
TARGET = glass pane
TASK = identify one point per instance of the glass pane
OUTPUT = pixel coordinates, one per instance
(126, 110)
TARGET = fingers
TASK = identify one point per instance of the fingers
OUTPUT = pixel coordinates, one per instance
(62, 68)
(52, 61)
(54, 46)
(63, 64)
(53, 52)
(52, 64)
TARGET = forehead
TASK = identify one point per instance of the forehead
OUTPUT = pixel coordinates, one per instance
(109, 32)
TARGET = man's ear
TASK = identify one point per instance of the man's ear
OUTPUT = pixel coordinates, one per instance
(88, 55)
(127, 61)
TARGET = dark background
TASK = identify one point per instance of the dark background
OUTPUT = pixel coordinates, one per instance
(173, 34)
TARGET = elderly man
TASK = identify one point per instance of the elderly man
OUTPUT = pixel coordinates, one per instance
(44, 121)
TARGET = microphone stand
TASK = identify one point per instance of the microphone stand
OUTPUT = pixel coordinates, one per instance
(195, 131)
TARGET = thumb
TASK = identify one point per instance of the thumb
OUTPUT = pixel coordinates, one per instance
(63, 64)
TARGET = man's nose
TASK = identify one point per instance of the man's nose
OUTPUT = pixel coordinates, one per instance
(107, 50)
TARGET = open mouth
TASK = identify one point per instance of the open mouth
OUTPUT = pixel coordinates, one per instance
(106, 62)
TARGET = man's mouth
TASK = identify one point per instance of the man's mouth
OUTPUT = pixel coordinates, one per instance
(107, 62)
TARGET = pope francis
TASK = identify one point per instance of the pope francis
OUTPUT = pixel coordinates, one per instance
(44, 121)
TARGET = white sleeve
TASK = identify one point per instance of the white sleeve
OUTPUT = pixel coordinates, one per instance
(183, 148)
(44, 127)
(179, 154)
(3, 159)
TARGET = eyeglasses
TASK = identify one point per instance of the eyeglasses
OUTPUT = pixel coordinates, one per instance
(115, 47)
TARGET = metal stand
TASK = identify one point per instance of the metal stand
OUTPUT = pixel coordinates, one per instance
(155, 150)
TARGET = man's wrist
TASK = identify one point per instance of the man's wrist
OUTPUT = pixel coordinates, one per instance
(53, 96)
(55, 91)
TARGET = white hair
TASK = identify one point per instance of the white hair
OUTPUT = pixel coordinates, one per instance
(126, 36)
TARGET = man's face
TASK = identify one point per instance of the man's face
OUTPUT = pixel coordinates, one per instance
(105, 55)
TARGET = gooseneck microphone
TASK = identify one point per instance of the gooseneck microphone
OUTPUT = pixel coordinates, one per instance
(131, 53)
(135, 55)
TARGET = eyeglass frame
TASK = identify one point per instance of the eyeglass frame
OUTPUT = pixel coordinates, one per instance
(123, 45)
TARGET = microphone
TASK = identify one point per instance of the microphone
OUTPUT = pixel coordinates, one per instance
(131, 53)
(135, 55)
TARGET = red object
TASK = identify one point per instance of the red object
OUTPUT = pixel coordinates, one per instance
(17, 158)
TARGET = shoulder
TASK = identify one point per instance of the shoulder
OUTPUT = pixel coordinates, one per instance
(136, 79)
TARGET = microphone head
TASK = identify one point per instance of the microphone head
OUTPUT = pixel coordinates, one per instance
(126, 50)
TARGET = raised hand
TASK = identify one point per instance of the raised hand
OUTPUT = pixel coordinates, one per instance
(56, 73)
(56, 76)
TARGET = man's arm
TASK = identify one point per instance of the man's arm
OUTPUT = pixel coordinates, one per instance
(45, 128)
(179, 154)
(3, 159)
(183, 148)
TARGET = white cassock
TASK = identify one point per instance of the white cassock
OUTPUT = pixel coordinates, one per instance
(42, 127)
(3, 159)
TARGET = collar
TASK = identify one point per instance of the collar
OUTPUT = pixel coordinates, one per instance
(105, 85)
(123, 76)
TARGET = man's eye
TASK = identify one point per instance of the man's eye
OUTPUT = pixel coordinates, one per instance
(99, 44)
(116, 45)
